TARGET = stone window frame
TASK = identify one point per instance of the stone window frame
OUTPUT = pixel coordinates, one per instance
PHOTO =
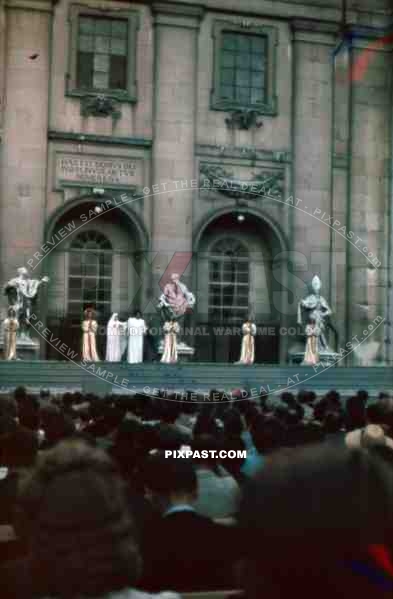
(133, 19)
(229, 250)
(271, 34)
(100, 247)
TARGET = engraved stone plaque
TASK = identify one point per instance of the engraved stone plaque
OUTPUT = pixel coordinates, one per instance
(106, 171)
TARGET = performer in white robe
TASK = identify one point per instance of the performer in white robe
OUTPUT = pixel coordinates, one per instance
(247, 354)
(136, 329)
(116, 340)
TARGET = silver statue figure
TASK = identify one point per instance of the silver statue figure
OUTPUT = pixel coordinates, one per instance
(314, 308)
(21, 292)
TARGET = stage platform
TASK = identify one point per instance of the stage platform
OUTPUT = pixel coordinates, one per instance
(122, 378)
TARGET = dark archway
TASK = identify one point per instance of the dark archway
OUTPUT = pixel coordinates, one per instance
(98, 262)
(239, 271)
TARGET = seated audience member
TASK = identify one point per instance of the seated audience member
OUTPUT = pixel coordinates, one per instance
(206, 422)
(82, 537)
(18, 451)
(233, 440)
(355, 412)
(8, 415)
(329, 402)
(172, 416)
(184, 550)
(268, 435)
(56, 425)
(218, 492)
(325, 518)
(333, 425)
(372, 435)
(28, 412)
(380, 412)
(169, 427)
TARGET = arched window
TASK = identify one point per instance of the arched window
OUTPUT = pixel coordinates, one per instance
(228, 281)
(90, 273)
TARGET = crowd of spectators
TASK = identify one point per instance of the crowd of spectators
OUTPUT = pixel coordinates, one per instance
(92, 506)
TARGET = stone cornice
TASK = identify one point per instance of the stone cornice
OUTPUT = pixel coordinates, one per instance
(174, 8)
(177, 15)
(313, 31)
(315, 26)
(33, 5)
(99, 139)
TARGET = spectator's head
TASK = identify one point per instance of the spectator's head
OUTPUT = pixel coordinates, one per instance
(320, 512)
(306, 397)
(251, 414)
(288, 398)
(203, 445)
(170, 481)
(333, 399)
(20, 393)
(28, 412)
(8, 407)
(82, 536)
(233, 425)
(355, 413)
(380, 411)
(368, 437)
(333, 422)
(19, 448)
(206, 422)
(268, 434)
(363, 394)
(7, 424)
(169, 412)
(56, 424)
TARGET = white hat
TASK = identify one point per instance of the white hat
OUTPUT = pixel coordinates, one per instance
(371, 436)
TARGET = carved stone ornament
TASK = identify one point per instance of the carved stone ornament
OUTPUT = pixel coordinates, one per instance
(244, 118)
(99, 106)
(263, 184)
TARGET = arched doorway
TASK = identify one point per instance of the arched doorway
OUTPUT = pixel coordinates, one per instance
(98, 263)
(239, 273)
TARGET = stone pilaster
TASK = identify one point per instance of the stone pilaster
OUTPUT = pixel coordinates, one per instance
(340, 288)
(176, 35)
(312, 49)
(369, 179)
(25, 129)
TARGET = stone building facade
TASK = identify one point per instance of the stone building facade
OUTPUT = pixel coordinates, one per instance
(247, 144)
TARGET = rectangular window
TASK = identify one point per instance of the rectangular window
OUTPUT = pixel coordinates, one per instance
(243, 68)
(244, 74)
(102, 53)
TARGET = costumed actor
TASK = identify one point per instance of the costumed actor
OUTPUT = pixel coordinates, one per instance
(311, 355)
(171, 331)
(247, 354)
(136, 328)
(116, 341)
(89, 328)
(11, 326)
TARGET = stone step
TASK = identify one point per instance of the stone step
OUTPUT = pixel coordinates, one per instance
(107, 377)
